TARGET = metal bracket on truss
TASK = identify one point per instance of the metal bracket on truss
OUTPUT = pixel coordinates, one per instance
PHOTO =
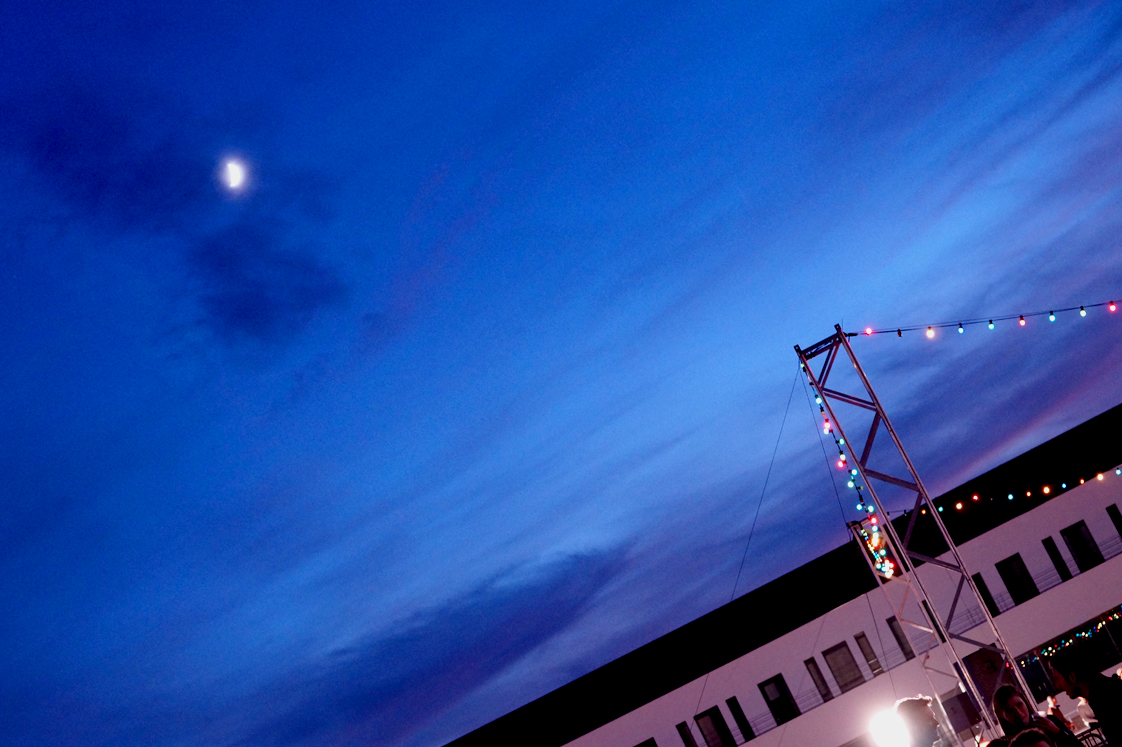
(908, 580)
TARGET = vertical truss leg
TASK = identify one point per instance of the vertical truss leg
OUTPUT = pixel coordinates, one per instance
(831, 348)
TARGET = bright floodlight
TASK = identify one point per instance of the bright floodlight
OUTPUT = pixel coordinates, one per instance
(888, 730)
(233, 174)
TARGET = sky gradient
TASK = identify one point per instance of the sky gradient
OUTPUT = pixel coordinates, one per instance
(474, 387)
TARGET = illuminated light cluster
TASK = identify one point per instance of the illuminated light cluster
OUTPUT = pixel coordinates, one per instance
(1047, 490)
(877, 547)
(1063, 643)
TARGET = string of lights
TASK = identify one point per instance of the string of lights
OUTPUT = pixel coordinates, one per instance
(990, 322)
(1045, 490)
(1063, 643)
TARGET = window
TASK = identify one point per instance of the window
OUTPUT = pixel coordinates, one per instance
(1017, 579)
(713, 728)
(818, 679)
(1057, 559)
(933, 620)
(984, 592)
(779, 700)
(741, 720)
(686, 735)
(1115, 516)
(901, 639)
(843, 666)
(869, 654)
(1082, 545)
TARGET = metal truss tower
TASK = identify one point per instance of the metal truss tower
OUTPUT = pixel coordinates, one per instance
(907, 582)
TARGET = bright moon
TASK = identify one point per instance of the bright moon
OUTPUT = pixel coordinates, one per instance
(234, 174)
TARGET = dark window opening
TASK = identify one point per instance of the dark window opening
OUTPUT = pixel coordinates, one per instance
(648, 743)
(1017, 579)
(686, 735)
(741, 720)
(714, 729)
(1056, 558)
(779, 700)
(843, 666)
(987, 598)
(934, 621)
(818, 679)
(869, 654)
(1115, 516)
(901, 639)
(1082, 546)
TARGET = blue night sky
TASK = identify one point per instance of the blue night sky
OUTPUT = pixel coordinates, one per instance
(474, 385)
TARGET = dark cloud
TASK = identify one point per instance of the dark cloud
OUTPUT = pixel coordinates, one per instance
(254, 289)
(376, 689)
(124, 161)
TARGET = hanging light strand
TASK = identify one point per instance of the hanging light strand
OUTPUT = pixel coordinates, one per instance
(990, 322)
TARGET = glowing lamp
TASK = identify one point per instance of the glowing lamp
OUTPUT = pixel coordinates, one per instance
(1082, 311)
(991, 324)
(850, 483)
(974, 497)
(958, 506)
(1022, 321)
(1051, 316)
(1112, 307)
(889, 730)
(1099, 476)
(1047, 490)
(1118, 471)
(960, 329)
(1010, 496)
(930, 333)
(868, 330)
(940, 509)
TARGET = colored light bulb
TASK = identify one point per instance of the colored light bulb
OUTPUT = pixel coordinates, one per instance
(1022, 321)
(991, 324)
(1051, 316)
(868, 330)
(1082, 311)
(960, 329)
(930, 333)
